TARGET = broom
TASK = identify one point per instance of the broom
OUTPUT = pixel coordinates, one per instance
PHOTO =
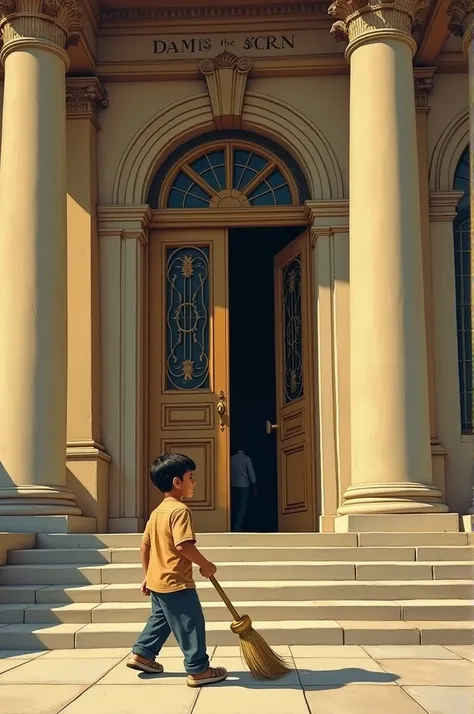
(259, 657)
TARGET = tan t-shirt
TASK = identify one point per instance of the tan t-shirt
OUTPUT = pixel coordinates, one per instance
(169, 525)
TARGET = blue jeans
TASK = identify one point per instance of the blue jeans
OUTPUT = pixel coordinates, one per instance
(180, 613)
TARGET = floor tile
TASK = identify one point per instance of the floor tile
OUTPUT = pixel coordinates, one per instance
(123, 699)
(234, 651)
(443, 700)
(360, 700)
(339, 651)
(39, 671)
(7, 664)
(112, 653)
(318, 672)
(21, 654)
(37, 698)
(410, 652)
(413, 672)
(466, 651)
(216, 700)
(174, 674)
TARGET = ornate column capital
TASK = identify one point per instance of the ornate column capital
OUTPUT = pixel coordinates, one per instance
(55, 23)
(423, 78)
(84, 96)
(360, 20)
(461, 21)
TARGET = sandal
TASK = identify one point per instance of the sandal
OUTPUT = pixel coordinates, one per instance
(217, 674)
(149, 665)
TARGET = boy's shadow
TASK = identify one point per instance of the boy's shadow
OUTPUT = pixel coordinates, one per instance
(296, 679)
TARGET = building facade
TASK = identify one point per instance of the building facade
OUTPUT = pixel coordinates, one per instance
(235, 222)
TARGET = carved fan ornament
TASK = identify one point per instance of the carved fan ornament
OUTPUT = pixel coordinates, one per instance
(226, 80)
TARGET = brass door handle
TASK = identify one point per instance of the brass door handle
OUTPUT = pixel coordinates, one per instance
(269, 427)
(221, 410)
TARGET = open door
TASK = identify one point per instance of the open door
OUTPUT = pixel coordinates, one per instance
(294, 388)
(189, 363)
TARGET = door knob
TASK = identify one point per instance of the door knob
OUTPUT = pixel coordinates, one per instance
(269, 427)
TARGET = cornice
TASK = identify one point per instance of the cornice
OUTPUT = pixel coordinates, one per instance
(317, 7)
(443, 205)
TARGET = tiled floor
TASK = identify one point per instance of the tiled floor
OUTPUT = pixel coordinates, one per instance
(326, 680)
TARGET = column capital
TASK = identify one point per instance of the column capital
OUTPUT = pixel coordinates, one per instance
(54, 23)
(461, 21)
(423, 78)
(361, 21)
(84, 96)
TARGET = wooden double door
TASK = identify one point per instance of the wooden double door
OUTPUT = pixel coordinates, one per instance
(190, 381)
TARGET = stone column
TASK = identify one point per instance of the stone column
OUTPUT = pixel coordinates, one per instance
(33, 305)
(87, 459)
(390, 430)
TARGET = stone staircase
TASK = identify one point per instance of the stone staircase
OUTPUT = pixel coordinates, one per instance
(82, 591)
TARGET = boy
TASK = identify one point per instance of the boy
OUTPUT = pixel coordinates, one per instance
(167, 553)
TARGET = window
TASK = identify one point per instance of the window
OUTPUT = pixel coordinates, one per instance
(463, 279)
(230, 175)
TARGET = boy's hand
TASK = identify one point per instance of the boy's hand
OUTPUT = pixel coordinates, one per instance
(144, 588)
(208, 570)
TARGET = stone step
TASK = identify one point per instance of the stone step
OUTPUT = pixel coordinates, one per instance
(283, 540)
(251, 591)
(238, 554)
(289, 632)
(376, 611)
(287, 570)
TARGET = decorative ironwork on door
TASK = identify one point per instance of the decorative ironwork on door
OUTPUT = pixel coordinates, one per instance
(292, 321)
(187, 318)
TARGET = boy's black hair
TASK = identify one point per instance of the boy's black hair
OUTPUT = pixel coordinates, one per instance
(167, 467)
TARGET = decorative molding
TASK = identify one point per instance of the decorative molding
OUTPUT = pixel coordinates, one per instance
(84, 96)
(326, 209)
(443, 205)
(212, 12)
(229, 217)
(447, 152)
(226, 80)
(125, 221)
(358, 19)
(54, 21)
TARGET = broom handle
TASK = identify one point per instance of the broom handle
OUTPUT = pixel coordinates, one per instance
(224, 597)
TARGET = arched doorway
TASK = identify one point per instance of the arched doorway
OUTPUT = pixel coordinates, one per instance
(230, 326)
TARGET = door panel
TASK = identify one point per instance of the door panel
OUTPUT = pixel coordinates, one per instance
(188, 363)
(294, 388)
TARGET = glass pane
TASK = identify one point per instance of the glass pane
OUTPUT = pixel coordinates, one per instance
(292, 327)
(187, 318)
(212, 169)
(273, 191)
(186, 194)
(463, 282)
(264, 197)
(246, 166)
(196, 198)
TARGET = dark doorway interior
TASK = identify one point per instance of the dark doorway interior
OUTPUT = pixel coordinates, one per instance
(252, 360)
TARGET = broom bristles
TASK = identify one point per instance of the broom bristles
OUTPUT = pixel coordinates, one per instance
(262, 661)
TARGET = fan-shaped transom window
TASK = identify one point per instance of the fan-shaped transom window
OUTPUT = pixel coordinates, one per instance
(229, 175)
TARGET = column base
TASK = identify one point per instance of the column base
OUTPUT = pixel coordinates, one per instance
(398, 523)
(393, 497)
(48, 524)
(37, 501)
(126, 525)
